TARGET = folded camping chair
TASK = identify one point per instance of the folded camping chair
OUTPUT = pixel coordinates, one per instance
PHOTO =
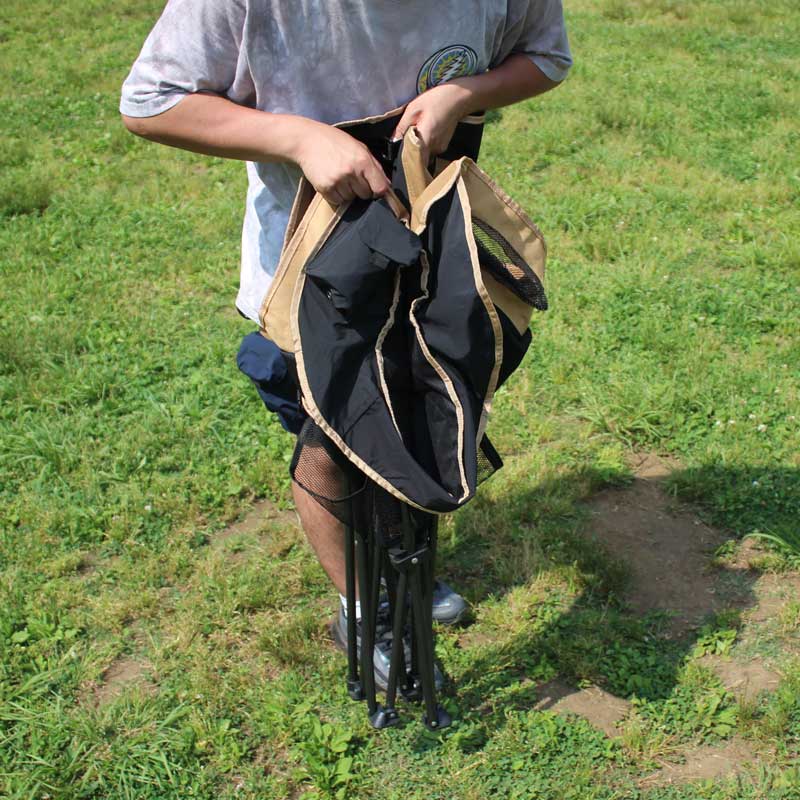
(403, 316)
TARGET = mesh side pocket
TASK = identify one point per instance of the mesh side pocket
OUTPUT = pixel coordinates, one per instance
(339, 487)
(489, 460)
(504, 264)
(320, 468)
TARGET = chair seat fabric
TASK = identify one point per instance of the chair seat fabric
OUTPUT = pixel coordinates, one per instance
(403, 325)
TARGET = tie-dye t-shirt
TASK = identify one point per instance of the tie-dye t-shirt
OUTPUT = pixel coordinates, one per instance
(330, 60)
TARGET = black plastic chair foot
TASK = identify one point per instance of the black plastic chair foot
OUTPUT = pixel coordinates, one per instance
(384, 717)
(442, 720)
(355, 690)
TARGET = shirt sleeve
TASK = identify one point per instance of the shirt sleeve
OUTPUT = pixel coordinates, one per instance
(194, 47)
(538, 30)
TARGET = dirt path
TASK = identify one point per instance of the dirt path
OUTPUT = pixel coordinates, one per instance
(670, 553)
(704, 763)
(668, 550)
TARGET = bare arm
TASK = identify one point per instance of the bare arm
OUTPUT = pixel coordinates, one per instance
(213, 125)
(436, 112)
(517, 78)
(336, 164)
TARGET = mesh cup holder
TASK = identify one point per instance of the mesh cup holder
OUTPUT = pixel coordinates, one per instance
(498, 257)
(321, 470)
(489, 460)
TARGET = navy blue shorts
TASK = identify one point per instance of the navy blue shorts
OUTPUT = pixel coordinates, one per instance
(275, 377)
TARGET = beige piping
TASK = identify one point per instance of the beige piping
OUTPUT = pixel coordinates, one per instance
(512, 205)
(497, 328)
(415, 172)
(444, 377)
(320, 221)
(435, 190)
(379, 347)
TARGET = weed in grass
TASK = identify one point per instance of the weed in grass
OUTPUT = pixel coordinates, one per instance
(787, 545)
(781, 718)
(537, 750)
(789, 617)
(713, 640)
(643, 743)
(325, 759)
(24, 191)
(698, 709)
(289, 639)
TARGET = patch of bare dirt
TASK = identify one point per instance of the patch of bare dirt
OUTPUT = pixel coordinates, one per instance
(669, 550)
(121, 675)
(603, 710)
(774, 592)
(88, 564)
(262, 515)
(745, 680)
(704, 763)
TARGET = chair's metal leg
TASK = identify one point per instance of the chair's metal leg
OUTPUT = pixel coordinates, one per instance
(398, 659)
(421, 568)
(377, 557)
(354, 688)
(382, 717)
(413, 688)
(367, 624)
(408, 567)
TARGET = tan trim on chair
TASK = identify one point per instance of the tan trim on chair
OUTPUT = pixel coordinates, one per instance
(302, 200)
(492, 205)
(414, 169)
(497, 328)
(387, 326)
(440, 371)
(516, 310)
(312, 232)
(435, 190)
(395, 112)
(396, 206)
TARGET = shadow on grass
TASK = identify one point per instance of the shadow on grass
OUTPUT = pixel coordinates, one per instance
(649, 582)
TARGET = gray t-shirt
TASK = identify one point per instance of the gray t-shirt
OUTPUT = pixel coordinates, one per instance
(330, 60)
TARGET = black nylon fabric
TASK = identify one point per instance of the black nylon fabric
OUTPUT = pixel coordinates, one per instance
(405, 396)
(373, 243)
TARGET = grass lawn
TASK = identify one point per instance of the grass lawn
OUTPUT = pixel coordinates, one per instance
(151, 647)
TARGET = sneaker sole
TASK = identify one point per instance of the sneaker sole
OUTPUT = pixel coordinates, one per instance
(457, 619)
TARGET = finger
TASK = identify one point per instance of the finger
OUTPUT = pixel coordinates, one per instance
(376, 179)
(360, 187)
(333, 196)
(344, 190)
(410, 116)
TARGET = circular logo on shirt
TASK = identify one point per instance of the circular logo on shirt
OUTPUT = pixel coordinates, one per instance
(450, 62)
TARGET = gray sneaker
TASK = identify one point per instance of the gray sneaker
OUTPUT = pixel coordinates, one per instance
(382, 654)
(449, 608)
